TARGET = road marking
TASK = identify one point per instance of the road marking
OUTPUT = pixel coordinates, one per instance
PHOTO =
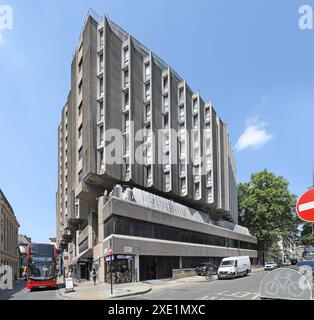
(204, 298)
(306, 206)
(255, 297)
(241, 294)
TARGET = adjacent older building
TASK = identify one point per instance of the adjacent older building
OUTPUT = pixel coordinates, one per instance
(131, 120)
(9, 253)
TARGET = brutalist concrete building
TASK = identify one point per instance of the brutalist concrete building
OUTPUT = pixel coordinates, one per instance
(146, 170)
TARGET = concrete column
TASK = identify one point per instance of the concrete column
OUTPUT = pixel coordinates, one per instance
(137, 267)
(180, 262)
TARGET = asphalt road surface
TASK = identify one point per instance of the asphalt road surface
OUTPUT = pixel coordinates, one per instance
(244, 288)
(20, 292)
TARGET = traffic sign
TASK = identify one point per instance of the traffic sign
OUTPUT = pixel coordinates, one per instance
(305, 206)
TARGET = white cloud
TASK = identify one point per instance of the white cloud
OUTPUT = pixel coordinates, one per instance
(254, 136)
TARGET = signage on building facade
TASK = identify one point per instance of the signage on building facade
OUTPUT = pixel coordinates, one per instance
(128, 249)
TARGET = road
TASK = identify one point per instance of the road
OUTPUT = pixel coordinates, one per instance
(246, 288)
(20, 292)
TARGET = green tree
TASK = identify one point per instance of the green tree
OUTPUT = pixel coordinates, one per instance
(267, 209)
(307, 237)
(273, 252)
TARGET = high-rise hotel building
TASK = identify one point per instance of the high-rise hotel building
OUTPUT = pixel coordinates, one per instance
(131, 120)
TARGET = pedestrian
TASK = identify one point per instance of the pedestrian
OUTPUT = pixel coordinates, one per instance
(94, 275)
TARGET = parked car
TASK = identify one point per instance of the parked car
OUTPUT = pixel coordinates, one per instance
(204, 267)
(270, 265)
(302, 264)
(234, 267)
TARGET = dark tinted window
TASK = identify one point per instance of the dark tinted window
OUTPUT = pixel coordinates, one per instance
(139, 228)
(44, 250)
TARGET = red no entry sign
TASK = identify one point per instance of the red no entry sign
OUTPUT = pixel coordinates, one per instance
(305, 206)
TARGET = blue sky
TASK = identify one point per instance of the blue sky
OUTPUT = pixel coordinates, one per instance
(249, 57)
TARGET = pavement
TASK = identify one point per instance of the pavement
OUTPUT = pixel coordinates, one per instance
(86, 290)
(20, 292)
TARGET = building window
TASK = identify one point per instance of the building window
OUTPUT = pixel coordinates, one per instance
(165, 103)
(147, 71)
(126, 76)
(126, 99)
(101, 63)
(182, 130)
(207, 114)
(196, 155)
(102, 160)
(195, 137)
(182, 167)
(80, 108)
(148, 174)
(101, 135)
(126, 54)
(166, 139)
(80, 131)
(126, 122)
(147, 113)
(181, 95)
(101, 38)
(165, 83)
(209, 194)
(80, 66)
(195, 105)
(207, 145)
(197, 190)
(166, 122)
(80, 153)
(196, 173)
(127, 164)
(147, 154)
(101, 110)
(80, 86)
(167, 180)
(183, 185)
(195, 122)
(126, 144)
(182, 149)
(147, 91)
(166, 161)
(209, 177)
(80, 176)
(208, 162)
(101, 87)
(181, 113)
(147, 133)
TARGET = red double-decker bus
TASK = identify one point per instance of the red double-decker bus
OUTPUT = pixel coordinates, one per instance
(41, 266)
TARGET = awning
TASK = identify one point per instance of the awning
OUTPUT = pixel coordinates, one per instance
(87, 254)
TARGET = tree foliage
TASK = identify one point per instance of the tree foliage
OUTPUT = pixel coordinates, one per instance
(267, 209)
(307, 237)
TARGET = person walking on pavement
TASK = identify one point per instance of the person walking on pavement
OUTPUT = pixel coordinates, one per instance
(94, 276)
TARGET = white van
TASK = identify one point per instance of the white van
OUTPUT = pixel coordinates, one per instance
(233, 267)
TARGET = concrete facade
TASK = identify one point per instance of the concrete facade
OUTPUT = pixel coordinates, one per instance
(119, 84)
(9, 254)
